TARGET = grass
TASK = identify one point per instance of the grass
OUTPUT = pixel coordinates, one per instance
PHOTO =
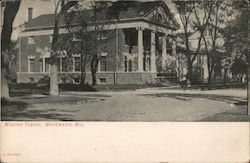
(238, 114)
(21, 107)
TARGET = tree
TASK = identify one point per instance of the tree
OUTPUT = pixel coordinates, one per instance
(55, 53)
(10, 11)
(207, 8)
(237, 37)
(92, 32)
(186, 11)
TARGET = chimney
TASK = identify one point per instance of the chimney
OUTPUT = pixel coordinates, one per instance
(30, 13)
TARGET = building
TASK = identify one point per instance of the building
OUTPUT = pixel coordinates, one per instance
(144, 40)
(200, 65)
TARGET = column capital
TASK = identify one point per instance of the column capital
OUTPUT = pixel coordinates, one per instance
(153, 32)
(140, 28)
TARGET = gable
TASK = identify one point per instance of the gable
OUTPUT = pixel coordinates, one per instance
(162, 15)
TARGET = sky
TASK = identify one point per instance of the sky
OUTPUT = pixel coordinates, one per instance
(41, 7)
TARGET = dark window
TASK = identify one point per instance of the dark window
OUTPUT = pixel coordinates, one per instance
(31, 40)
(77, 63)
(102, 81)
(144, 63)
(63, 80)
(130, 64)
(30, 12)
(31, 80)
(159, 18)
(41, 65)
(135, 64)
(32, 65)
(46, 64)
(125, 64)
(64, 64)
(148, 64)
(103, 63)
(77, 79)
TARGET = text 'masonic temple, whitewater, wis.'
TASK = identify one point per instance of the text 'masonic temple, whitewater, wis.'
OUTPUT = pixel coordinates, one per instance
(143, 44)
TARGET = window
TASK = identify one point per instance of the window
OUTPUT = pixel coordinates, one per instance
(63, 80)
(31, 65)
(50, 38)
(75, 38)
(31, 40)
(130, 64)
(159, 17)
(125, 63)
(102, 80)
(77, 63)
(41, 65)
(101, 37)
(144, 63)
(31, 80)
(77, 79)
(64, 64)
(103, 63)
(135, 64)
(148, 64)
(30, 13)
(46, 64)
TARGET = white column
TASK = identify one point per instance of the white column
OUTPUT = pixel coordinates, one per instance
(73, 64)
(43, 64)
(98, 67)
(174, 47)
(28, 64)
(164, 51)
(152, 52)
(140, 49)
(60, 64)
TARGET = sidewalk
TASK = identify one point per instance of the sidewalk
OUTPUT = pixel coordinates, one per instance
(241, 93)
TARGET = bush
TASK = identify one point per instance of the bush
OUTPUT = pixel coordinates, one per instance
(75, 87)
(44, 80)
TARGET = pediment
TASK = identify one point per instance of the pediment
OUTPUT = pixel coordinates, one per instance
(161, 15)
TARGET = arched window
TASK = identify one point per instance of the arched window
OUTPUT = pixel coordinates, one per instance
(159, 17)
(130, 65)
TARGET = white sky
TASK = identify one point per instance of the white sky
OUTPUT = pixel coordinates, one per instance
(41, 7)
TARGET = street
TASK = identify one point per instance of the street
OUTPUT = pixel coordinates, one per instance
(153, 104)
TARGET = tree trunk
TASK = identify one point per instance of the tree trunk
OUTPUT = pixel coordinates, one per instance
(4, 83)
(94, 64)
(209, 67)
(190, 72)
(53, 80)
(10, 11)
(225, 76)
(248, 91)
(93, 78)
(83, 69)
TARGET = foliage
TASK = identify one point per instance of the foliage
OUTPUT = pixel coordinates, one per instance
(237, 42)
(88, 34)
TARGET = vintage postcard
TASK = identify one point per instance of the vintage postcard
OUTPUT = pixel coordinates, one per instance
(125, 81)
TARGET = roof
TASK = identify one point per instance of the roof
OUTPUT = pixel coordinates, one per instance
(132, 9)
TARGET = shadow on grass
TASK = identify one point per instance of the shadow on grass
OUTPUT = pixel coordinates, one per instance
(187, 97)
(18, 110)
(238, 114)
